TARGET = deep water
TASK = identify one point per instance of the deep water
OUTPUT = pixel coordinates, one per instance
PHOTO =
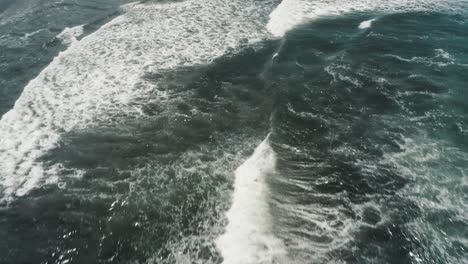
(369, 127)
(370, 131)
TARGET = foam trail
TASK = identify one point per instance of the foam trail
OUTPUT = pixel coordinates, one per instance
(248, 238)
(438, 174)
(292, 13)
(98, 79)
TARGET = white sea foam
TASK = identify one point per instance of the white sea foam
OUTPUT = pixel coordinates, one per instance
(249, 237)
(440, 58)
(30, 34)
(322, 225)
(292, 13)
(12, 41)
(98, 78)
(438, 181)
(366, 24)
(69, 35)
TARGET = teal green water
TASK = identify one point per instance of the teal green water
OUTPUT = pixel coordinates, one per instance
(369, 126)
(27, 37)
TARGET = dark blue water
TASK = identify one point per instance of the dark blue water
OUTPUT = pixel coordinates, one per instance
(369, 128)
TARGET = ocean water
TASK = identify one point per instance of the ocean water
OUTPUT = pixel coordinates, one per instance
(236, 132)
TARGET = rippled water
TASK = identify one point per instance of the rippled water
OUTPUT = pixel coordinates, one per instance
(234, 132)
(370, 134)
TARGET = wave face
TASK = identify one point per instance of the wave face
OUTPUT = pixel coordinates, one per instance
(143, 139)
(249, 235)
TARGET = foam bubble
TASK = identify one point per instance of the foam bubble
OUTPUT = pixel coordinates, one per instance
(249, 236)
(69, 35)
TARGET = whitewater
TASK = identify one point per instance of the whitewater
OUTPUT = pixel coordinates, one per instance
(101, 79)
(85, 84)
(82, 86)
(249, 236)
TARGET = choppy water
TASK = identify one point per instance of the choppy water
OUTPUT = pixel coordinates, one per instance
(234, 131)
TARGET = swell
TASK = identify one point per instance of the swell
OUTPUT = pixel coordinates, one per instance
(5, 4)
(152, 189)
(365, 142)
(83, 85)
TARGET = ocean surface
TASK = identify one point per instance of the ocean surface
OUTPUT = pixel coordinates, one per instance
(235, 132)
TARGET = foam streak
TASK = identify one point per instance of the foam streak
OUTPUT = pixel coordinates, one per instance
(248, 237)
